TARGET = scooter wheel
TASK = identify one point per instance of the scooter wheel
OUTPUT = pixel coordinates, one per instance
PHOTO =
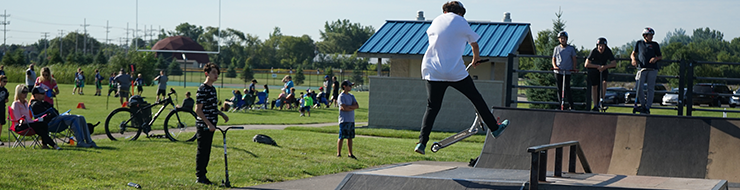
(436, 147)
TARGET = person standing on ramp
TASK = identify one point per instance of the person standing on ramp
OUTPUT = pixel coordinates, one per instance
(442, 66)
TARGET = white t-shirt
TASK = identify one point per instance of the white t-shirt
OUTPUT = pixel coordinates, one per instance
(448, 36)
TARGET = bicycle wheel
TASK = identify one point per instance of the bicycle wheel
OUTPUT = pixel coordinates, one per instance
(117, 127)
(179, 125)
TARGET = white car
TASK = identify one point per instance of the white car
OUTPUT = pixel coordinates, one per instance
(671, 98)
(735, 100)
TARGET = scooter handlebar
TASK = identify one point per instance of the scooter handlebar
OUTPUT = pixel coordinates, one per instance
(479, 61)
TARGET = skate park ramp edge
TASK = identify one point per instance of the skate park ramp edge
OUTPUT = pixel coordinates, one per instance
(621, 144)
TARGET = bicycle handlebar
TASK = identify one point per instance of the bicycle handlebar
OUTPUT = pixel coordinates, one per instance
(227, 129)
(172, 91)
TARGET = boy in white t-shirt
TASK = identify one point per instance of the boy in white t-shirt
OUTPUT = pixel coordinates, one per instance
(442, 67)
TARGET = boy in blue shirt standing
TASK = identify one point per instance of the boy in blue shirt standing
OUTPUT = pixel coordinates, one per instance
(347, 105)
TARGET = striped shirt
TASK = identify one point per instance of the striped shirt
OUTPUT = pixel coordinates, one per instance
(207, 96)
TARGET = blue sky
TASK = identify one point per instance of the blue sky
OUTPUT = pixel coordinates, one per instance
(586, 20)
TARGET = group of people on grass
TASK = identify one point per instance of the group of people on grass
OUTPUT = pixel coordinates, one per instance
(39, 113)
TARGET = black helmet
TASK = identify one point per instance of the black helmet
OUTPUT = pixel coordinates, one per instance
(601, 40)
(647, 31)
(563, 33)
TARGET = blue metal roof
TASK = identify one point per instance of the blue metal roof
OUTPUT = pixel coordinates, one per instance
(498, 39)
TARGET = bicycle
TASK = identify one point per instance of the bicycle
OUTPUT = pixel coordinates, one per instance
(122, 123)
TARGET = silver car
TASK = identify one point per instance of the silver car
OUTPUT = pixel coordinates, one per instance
(735, 100)
(671, 98)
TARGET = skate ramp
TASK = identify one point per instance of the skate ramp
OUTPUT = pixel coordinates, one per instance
(412, 176)
(621, 144)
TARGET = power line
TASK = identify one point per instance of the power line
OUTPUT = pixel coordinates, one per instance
(84, 43)
(5, 23)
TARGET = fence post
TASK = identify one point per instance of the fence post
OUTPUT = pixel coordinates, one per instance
(534, 171)
(690, 87)
(572, 159)
(681, 85)
(509, 79)
(558, 162)
(543, 166)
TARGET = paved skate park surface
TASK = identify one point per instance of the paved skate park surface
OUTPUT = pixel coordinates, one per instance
(624, 151)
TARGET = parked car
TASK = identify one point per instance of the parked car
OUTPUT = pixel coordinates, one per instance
(614, 95)
(735, 100)
(671, 98)
(629, 97)
(711, 89)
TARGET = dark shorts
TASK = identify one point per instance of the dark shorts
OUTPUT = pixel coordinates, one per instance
(306, 108)
(593, 76)
(162, 92)
(140, 88)
(347, 130)
(2, 115)
(98, 85)
(122, 93)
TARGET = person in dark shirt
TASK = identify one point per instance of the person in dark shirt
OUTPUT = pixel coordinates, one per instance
(335, 91)
(3, 99)
(112, 85)
(598, 61)
(206, 108)
(124, 83)
(645, 57)
(187, 103)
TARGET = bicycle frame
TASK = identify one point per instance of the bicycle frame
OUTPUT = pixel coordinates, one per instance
(167, 101)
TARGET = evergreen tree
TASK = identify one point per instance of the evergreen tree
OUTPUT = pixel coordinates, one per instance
(299, 77)
(247, 73)
(357, 74)
(161, 62)
(8, 59)
(174, 68)
(231, 71)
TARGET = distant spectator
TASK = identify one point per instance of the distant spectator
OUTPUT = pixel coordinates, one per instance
(252, 87)
(228, 103)
(288, 84)
(112, 85)
(98, 82)
(162, 86)
(49, 84)
(307, 102)
(335, 91)
(139, 84)
(124, 83)
(2, 69)
(187, 103)
(30, 76)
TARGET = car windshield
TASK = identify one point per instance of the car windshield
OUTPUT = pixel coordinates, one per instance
(702, 88)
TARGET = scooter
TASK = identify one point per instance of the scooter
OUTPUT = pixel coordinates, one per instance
(562, 92)
(226, 183)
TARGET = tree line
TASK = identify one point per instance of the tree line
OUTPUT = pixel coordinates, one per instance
(340, 40)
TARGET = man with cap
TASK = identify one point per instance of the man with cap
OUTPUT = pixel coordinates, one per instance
(327, 87)
(347, 105)
(443, 67)
(645, 57)
(56, 122)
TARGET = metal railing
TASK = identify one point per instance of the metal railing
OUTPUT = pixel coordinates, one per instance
(686, 78)
(538, 169)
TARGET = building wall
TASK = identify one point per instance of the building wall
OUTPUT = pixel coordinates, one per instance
(400, 103)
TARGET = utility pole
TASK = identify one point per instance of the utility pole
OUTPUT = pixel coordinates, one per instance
(84, 26)
(77, 36)
(46, 46)
(127, 30)
(5, 23)
(61, 35)
(107, 30)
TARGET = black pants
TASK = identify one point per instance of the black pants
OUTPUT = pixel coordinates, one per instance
(568, 96)
(205, 139)
(435, 95)
(41, 129)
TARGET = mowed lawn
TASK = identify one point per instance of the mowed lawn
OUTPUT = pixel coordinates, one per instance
(160, 164)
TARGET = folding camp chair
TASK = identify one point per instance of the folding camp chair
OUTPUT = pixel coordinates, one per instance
(238, 105)
(59, 133)
(21, 135)
(261, 100)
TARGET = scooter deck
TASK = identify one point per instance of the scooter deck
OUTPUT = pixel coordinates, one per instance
(453, 139)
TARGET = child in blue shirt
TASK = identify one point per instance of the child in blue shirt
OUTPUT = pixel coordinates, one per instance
(347, 105)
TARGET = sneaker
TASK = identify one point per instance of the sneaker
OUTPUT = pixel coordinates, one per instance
(2, 143)
(501, 128)
(352, 156)
(203, 180)
(596, 109)
(420, 148)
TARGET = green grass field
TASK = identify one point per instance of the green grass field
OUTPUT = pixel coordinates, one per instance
(160, 164)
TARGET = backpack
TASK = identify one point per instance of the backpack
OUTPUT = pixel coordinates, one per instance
(141, 116)
(264, 139)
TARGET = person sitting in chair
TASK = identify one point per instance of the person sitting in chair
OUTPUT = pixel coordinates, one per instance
(21, 112)
(42, 109)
